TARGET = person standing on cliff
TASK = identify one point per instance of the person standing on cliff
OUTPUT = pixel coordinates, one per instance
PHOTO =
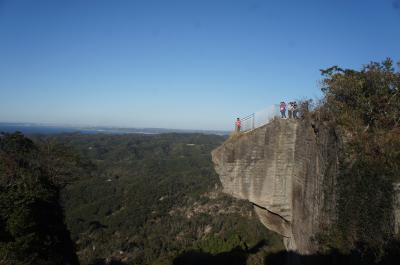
(295, 110)
(238, 124)
(290, 110)
(282, 108)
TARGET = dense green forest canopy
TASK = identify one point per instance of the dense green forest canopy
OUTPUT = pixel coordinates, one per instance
(144, 199)
(137, 199)
(32, 229)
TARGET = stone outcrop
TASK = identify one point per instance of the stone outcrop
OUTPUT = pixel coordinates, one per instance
(287, 170)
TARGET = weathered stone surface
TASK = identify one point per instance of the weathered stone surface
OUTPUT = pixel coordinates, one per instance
(286, 169)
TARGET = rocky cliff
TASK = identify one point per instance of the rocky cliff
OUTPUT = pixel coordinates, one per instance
(287, 170)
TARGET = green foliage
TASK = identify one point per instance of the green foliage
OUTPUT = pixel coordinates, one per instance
(365, 106)
(148, 198)
(369, 97)
(215, 244)
(31, 220)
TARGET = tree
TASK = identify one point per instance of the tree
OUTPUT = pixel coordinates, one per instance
(32, 225)
(365, 106)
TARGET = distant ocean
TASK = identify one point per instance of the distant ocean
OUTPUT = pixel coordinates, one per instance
(28, 128)
(40, 129)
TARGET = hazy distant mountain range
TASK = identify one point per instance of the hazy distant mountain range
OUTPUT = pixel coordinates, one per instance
(37, 128)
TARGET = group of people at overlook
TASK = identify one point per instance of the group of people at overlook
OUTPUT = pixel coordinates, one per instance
(292, 111)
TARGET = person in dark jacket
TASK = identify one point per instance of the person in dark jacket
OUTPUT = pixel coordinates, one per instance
(295, 110)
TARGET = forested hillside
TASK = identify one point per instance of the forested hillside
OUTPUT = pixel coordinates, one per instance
(145, 199)
(32, 229)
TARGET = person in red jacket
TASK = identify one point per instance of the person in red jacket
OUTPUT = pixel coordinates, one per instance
(282, 108)
(238, 125)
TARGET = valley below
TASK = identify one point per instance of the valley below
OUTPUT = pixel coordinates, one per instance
(148, 199)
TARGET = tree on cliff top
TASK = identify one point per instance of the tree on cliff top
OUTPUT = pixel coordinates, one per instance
(365, 105)
(32, 229)
(370, 97)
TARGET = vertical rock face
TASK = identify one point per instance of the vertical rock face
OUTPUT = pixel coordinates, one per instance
(286, 169)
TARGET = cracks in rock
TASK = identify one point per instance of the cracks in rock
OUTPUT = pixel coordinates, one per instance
(262, 207)
(275, 214)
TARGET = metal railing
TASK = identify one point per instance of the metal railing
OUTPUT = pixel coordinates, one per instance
(259, 118)
(248, 122)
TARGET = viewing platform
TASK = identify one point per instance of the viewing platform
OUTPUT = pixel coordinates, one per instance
(259, 118)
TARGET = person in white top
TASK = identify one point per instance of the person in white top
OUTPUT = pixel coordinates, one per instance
(290, 110)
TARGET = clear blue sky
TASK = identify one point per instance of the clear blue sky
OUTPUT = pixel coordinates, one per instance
(178, 64)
